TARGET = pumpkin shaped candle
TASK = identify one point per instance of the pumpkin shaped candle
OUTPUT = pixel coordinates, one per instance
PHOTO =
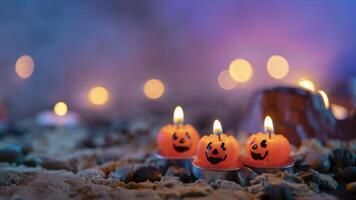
(217, 150)
(177, 140)
(267, 149)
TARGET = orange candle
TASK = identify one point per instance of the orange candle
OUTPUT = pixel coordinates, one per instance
(217, 150)
(267, 149)
(177, 140)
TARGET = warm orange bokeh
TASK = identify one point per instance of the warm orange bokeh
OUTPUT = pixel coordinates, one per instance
(265, 151)
(177, 141)
(216, 152)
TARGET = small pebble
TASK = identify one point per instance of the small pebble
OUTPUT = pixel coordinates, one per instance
(54, 164)
(11, 153)
(322, 180)
(351, 187)
(314, 187)
(225, 185)
(32, 160)
(124, 174)
(341, 158)
(46, 162)
(27, 148)
(180, 172)
(327, 182)
(348, 174)
(321, 164)
(277, 192)
(147, 173)
(94, 175)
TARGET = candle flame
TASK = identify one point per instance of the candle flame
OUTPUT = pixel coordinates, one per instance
(307, 84)
(217, 127)
(60, 108)
(268, 124)
(178, 116)
(325, 98)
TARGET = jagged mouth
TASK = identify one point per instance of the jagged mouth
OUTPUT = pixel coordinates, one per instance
(181, 149)
(215, 160)
(257, 156)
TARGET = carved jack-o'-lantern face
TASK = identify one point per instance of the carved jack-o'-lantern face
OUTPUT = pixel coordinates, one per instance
(215, 152)
(178, 141)
(181, 141)
(259, 151)
(263, 150)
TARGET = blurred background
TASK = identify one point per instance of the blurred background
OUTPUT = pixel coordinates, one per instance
(126, 58)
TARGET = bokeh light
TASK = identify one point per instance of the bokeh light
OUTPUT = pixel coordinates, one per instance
(240, 70)
(24, 66)
(98, 95)
(277, 67)
(60, 108)
(225, 80)
(324, 96)
(153, 89)
(306, 84)
(339, 112)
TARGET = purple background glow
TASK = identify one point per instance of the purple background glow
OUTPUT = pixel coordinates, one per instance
(121, 44)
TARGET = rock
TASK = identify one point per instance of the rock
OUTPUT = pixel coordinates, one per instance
(180, 172)
(246, 175)
(277, 192)
(170, 182)
(321, 163)
(341, 158)
(27, 148)
(120, 125)
(314, 155)
(314, 187)
(352, 146)
(327, 182)
(11, 153)
(54, 164)
(335, 144)
(88, 142)
(147, 173)
(46, 162)
(124, 174)
(32, 160)
(348, 174)
(225, 185)
(196, 190)
(93, 175)
(351, 187)
(310, 176)
(322, 180)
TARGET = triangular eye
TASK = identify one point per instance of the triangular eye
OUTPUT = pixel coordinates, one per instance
(209, 146)
(175, 137)
(187, 134)
(223, 146)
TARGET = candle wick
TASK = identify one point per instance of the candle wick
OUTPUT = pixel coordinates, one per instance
(219, 137)
(179, 125)
(270, 134)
